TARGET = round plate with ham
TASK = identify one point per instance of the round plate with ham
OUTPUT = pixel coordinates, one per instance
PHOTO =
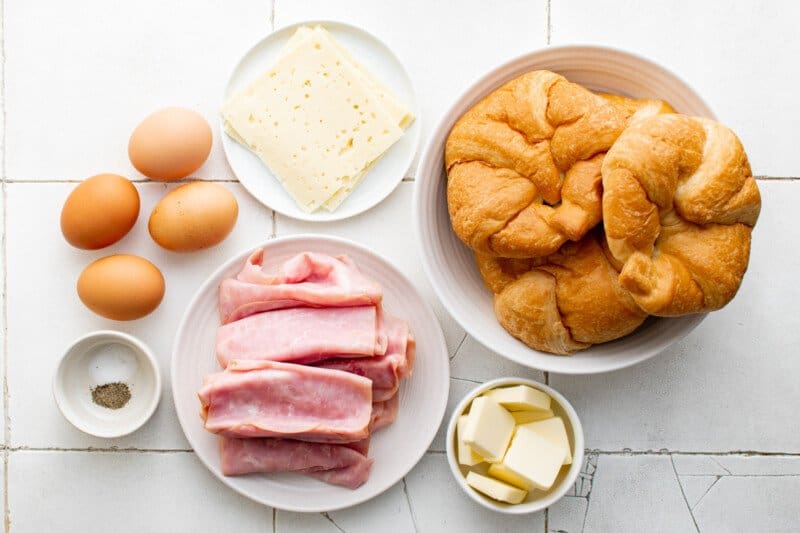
(294, 291)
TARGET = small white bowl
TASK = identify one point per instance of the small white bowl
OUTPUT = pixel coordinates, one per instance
(104, 357)
(536, 500)
(450, 265)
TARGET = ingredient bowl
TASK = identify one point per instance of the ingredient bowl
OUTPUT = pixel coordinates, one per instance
(107, 384)
(450, 265)
(536, 500)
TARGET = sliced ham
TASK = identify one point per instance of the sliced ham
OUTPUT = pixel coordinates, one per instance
(303, 335)
(385, 371)
(308, 279)
(384, 413)
(271, 399)
(332, 463)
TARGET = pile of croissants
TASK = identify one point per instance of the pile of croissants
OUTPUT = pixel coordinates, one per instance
(587, 212)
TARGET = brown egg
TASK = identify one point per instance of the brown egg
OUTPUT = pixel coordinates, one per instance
(170, 144)
(99, 211)
(194, 216)
(121, 287)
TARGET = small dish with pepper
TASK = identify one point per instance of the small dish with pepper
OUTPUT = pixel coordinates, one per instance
(107, 384)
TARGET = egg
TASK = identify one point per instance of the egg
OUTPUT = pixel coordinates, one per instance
(121, 287)
(170, 144)
(194, 216)
(99, 211)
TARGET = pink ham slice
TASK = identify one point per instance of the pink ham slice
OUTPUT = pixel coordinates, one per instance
(303, 335)
(384, 413)
(385, 371)
(333, 463)
(308, 279)
(270, 399)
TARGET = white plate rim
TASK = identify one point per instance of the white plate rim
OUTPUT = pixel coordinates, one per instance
(471, 94)
(214, 278)
(414, 129)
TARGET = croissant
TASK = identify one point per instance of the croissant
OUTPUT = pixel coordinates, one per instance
(565, 302)
(523, 164)
(679, 205)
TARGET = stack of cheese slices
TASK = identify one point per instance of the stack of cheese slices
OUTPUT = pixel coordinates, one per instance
(318, 119)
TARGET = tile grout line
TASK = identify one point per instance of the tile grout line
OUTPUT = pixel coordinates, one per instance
(406, 179)
(272, 16)
(410, 507)
(549, 12)
(3, 191)
(96, 450)
(629, 453)
(683, 493)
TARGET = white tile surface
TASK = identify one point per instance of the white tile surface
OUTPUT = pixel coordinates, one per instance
(47, 314)
(80, 77)
(388, 510)
(443, 46)
(439, 505)
(124, 492)
(730, 385)
(695, 488)
(767, 503)
(636, 493)
(475, 362)
(740, 56)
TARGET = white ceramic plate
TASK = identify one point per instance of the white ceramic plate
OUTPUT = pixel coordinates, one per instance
(382, 178)
(449, 264)
(396, 449)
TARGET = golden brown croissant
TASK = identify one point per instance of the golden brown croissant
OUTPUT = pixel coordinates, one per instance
(565, 302)
(679, 205)
(523, 164)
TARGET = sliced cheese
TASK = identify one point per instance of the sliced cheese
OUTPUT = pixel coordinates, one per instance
(392, 104)
(466, 455)
(555, 432)
(495, 489)
(520, 398)
(531, 461)
(488, 429)
(315, 119)
(525, 417)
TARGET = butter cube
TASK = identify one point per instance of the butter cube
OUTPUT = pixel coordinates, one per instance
(520, 398)
(555, 432)
(531, 461)
(525, 417)
(500, 471)
(466, 455)
(488, 429)
(495, 489)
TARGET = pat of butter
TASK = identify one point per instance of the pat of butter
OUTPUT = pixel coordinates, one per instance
(466, 455)
(531, 461)
(495, 489)
(525, 417)
(555, 432)
(520, 398)
(488, 429)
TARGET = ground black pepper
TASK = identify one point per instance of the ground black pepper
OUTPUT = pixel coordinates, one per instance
(111, 395)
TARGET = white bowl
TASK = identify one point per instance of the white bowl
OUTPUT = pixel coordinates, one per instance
(450, 265)
(104, 357)
(396, 448)
(388, 171)
(536, 500)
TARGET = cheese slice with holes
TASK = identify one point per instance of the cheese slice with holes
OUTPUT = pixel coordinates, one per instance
(316, 119)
